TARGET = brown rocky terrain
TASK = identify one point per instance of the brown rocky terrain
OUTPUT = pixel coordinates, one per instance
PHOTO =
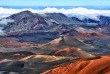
(95, 65)
(11, 42)
(53, 43)
(71, 52)
(65, 42)
(46, 64)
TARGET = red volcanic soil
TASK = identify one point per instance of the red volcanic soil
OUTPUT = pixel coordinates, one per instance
(2, 61)
(38, 26)
(74, 52)
(9, 42)
(93, 34)
(93, 65)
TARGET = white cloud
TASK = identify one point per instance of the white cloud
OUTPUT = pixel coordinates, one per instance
(1, 31)
(5, 21)
(80, 11)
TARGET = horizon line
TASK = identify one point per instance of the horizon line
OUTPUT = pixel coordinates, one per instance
(56, 5)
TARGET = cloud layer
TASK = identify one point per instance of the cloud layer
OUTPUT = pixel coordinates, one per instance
(80, 11)
(5, 21)
(1, 31)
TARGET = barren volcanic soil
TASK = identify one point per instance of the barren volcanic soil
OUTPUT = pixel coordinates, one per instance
(53, 43)
(95, 65)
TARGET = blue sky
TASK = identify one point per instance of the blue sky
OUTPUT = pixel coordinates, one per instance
(55, 2)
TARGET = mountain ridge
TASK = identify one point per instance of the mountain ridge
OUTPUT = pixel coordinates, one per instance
(28, 21)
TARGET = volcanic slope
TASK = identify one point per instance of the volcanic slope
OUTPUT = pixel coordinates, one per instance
(72, 52)
(95, 65)
(66, 42)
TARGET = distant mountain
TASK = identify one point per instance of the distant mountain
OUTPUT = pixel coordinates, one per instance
(61, 18)
(104, 20)
(27, 21)
(24, 21)
(85, 20)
